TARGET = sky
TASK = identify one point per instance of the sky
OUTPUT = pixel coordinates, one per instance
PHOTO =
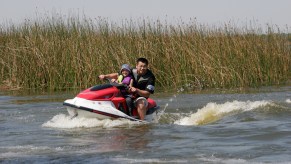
(214, 12)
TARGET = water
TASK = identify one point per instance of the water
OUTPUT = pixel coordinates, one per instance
(210, 127)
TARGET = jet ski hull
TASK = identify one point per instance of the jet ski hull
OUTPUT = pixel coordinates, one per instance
(101, 110)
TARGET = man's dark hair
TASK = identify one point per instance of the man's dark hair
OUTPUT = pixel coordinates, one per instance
(143, 60)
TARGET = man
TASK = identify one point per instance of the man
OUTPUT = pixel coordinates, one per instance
(143, 85)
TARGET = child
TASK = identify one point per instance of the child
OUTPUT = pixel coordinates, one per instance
(127, 79)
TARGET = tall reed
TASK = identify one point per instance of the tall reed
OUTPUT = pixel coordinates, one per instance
(62, 53)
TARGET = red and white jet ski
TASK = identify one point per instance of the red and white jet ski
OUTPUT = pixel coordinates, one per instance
(105, 101)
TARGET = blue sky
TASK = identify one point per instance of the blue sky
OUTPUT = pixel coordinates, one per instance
(217, 12)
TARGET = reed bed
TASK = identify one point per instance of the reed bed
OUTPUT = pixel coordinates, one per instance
(58, 53)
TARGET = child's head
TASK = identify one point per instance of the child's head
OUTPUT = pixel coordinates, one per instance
(125, 70)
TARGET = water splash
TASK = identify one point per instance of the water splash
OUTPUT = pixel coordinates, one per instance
(65, 122)
(213, 111)
(162, 111)
(288, 101)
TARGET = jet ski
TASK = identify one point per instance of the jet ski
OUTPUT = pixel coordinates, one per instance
(106, 101)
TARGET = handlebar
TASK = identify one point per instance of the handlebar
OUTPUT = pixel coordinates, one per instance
(117, 85)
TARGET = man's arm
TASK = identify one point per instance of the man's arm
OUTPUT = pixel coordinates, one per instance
(148, 91)
(140, 92)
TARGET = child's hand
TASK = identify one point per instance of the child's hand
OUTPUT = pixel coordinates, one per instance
(101, 77)
(113, 80)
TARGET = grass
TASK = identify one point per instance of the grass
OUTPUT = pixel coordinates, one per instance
(58, 53)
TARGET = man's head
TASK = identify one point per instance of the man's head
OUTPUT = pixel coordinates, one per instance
(142, 66)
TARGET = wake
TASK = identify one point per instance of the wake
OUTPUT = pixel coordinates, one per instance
(210, 113)
(213, 112)
(63, 121)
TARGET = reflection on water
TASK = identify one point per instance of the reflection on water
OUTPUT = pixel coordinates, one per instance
(222, 127)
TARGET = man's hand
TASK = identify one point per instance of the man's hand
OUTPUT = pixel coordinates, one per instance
(133, 89)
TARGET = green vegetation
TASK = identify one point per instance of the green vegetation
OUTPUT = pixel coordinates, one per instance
(57, 53)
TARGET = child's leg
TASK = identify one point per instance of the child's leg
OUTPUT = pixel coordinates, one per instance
(128, 100)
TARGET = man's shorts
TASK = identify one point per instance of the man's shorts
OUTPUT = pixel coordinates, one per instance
(139, 99)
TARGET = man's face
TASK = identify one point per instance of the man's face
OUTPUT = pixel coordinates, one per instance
(141, 68)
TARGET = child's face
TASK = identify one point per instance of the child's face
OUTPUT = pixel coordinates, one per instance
(125, 72)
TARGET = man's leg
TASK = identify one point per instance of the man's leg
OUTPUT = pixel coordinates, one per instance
(141, 105)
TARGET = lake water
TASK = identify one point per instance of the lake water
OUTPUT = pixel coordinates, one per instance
(207, 127)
